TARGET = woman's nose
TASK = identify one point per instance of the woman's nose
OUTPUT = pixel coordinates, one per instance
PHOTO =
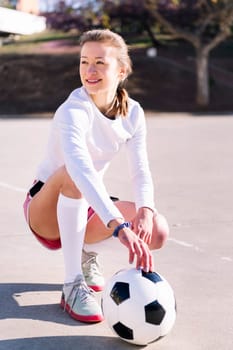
(91, 68)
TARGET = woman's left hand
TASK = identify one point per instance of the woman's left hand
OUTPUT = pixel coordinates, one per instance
(142, 224)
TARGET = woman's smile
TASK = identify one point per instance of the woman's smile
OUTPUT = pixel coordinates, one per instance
(93, 81)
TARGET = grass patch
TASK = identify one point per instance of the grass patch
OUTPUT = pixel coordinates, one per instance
(47, 35)
(26, 44)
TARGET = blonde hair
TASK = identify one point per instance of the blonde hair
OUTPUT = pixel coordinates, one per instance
(120, 102)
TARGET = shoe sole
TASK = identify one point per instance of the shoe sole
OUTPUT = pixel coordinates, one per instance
(82, 318)
(96, 288)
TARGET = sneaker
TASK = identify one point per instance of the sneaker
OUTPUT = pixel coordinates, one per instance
(78, 300)
(91, 271)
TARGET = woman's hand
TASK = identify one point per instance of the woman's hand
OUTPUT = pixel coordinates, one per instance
(142, 224)
(138, 247)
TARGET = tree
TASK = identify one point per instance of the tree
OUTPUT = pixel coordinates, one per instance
(75, 15)
(131, 17)
(203, 23)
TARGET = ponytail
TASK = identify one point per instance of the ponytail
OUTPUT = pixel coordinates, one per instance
(122, 99)
(120, 103)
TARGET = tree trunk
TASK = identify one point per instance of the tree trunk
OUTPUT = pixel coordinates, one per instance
(202, 97)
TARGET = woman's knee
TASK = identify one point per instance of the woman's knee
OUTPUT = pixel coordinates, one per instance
(161, 232)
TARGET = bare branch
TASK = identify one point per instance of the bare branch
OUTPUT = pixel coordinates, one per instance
(204, 21)
(226, 20)
(177, 32)
(202, 3)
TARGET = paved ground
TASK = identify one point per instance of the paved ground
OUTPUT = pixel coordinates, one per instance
(191, 160)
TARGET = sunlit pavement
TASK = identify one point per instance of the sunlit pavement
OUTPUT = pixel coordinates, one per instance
(191, 162)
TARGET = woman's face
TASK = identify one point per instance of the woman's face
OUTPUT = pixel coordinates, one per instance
(99, 70)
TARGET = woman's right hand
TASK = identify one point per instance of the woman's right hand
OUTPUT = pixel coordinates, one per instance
(136, 246)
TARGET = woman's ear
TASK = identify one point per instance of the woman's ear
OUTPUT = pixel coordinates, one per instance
(123, 74)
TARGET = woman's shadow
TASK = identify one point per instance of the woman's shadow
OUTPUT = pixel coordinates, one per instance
(81, 342)
(28, 301)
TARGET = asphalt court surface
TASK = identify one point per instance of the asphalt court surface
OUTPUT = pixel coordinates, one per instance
(191, 160)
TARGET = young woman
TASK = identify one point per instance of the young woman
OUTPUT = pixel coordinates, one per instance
(68, 203)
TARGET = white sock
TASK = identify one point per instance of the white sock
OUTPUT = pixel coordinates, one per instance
(72, 220)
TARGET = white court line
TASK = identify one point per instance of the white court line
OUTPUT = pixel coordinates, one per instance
(174, 240)
(196, 248)
(186, 244)
(226, 258)
(13, 188)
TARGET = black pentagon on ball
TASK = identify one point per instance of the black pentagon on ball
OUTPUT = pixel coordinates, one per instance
(152, 276)
(120, 292)
(123, 331)
(154, 313)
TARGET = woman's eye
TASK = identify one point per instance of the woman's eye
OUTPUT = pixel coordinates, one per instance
(83, 62)
(100, 62)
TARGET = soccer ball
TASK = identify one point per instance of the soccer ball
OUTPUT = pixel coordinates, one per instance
(139, 307)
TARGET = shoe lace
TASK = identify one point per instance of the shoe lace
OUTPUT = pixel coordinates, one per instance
(92, 265)
(81, 291)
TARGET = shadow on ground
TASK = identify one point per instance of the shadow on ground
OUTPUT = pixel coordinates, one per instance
(27, 301)
(67, 343)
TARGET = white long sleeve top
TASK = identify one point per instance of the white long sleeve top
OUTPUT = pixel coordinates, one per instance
(85, 141)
